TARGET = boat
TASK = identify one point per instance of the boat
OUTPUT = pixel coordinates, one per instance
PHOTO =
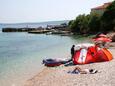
(48, 33)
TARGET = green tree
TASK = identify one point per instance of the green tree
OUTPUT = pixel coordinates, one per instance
(94, 23)
(80, 24)
(73, 25)
(83, 23)
(108, 18)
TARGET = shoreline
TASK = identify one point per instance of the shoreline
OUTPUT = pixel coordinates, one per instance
(58, 76)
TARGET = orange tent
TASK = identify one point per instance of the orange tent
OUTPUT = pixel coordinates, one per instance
(91, 55)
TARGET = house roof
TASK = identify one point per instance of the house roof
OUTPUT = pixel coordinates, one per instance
(104, 6)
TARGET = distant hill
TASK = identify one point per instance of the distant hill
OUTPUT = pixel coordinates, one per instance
(32, 24)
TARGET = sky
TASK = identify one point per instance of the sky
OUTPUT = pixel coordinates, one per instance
(20, 11)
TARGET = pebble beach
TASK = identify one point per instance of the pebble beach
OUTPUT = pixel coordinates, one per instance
(59, 76)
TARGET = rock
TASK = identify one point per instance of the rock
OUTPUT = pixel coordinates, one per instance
(111, 35)
(113, 38)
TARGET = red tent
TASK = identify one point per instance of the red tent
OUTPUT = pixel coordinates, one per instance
(91, 55)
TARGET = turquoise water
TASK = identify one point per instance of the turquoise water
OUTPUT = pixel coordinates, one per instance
(21, 54)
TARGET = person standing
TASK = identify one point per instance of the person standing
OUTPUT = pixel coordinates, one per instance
(72, 51)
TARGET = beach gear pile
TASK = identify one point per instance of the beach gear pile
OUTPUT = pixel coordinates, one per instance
(89, 53)
(86, 53)
(78, 70)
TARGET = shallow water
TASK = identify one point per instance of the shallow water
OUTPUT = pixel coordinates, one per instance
(21, 54)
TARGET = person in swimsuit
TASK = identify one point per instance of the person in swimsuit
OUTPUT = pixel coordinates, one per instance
(78, 70)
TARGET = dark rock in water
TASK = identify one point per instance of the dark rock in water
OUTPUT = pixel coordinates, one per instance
(17, 29)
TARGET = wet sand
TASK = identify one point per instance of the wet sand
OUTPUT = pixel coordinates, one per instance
(58, 76)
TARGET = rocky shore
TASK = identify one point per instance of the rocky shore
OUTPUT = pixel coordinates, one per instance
(60, 31)
(38, 30)
(59, 76)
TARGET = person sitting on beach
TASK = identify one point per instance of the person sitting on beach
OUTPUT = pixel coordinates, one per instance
(78, 70)
(102, 40)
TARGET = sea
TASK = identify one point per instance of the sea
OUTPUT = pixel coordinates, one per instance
(21, 54)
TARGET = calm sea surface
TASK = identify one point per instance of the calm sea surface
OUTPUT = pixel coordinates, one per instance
(21, 54)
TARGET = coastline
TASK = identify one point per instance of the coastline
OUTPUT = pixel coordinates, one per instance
(58, 76)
